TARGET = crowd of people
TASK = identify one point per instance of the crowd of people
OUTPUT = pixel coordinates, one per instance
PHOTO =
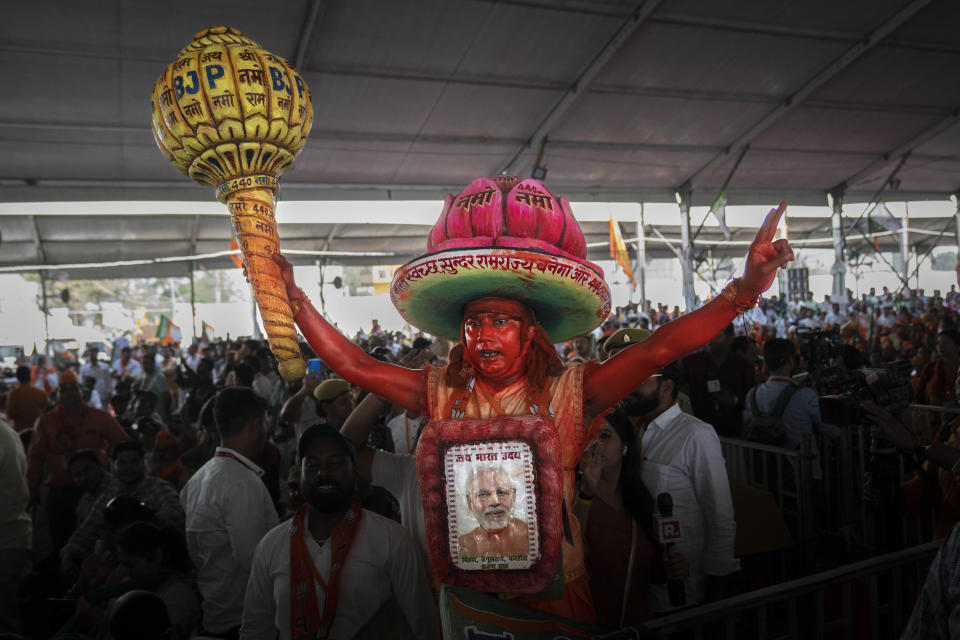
(192, 492)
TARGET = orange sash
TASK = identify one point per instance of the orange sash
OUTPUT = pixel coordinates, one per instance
(305, 618)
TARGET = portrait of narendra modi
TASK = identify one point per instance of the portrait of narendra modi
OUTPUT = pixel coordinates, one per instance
(493, 511)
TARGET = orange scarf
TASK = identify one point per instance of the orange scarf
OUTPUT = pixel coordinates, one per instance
(305, 618)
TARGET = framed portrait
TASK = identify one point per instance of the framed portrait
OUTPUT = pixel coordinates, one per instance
(492, 498)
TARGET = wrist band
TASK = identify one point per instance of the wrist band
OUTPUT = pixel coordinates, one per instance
(584, 497)
(733, 294)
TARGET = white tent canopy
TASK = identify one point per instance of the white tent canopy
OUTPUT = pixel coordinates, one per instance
(622, 101)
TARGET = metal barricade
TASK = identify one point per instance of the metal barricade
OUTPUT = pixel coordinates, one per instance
(927, 420)
(843, 506)
(870, 599)
(786, 473)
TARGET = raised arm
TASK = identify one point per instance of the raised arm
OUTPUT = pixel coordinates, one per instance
(397, 384)
(607, 383)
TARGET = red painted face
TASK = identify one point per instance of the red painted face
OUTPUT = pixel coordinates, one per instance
(496, 337)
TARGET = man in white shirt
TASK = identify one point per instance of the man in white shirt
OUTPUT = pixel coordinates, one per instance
(16, 528)
(331, 569)
(192, 359)
(807, 320)
(888, 318)
(267, 377)
(404, 430)
(826, 305)
(833, 318)
(126, 366)
(395, 472)
(793, 308)
(682, 457)
(228, 511)
(100, 373)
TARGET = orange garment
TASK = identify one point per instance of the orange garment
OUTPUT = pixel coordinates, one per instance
(43, 375)
(936, 385)
(176, 474)
(920, 496)
(57, 435)
(25, 403)
(608, 534)
(566, 407)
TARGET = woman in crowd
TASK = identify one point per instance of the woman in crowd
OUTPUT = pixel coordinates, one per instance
(616, 515)
(936, 385)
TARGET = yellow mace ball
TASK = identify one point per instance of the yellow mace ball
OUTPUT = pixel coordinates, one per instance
(227, 108)
(231, 115)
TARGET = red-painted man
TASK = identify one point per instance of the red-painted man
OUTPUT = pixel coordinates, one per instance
(505, 274)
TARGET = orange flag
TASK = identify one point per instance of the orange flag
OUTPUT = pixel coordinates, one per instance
(618, 251)
(234, 246)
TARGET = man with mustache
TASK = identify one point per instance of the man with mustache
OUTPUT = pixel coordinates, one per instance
(327, 572)
(682, 457)
(490, 498)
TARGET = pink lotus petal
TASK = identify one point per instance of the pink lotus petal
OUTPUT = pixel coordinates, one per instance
(476, 211)
(533, 195)
(438, 234)
(522, 212)
(573, 241)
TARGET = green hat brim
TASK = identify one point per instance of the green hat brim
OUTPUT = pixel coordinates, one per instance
(568, 296)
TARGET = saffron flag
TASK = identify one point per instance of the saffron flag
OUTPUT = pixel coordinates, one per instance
(168, 332)
(618, 251)
(235, 246)
(207, 332)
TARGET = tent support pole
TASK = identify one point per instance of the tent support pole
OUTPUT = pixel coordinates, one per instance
(193, 303)
(46, 314)
(686, 247)
(641, 269)
(839, 292)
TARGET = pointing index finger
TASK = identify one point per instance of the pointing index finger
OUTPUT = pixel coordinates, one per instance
(769, 227)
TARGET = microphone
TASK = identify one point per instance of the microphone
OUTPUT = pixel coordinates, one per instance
(668, 534)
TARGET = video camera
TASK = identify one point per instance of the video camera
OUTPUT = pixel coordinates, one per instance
(888, 386)
(843, 389)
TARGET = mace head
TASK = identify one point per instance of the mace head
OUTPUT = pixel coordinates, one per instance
(227, 108)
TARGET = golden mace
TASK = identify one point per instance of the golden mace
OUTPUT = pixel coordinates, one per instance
(231, 115)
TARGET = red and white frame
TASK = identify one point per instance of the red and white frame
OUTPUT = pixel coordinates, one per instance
(532, 447)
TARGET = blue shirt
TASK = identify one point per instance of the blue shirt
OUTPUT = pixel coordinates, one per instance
(801, 416)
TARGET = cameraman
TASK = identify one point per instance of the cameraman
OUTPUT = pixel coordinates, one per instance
(802, 413)
(937, 486)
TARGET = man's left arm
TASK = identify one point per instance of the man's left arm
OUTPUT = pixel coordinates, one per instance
(410, 587)
(712, 489)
